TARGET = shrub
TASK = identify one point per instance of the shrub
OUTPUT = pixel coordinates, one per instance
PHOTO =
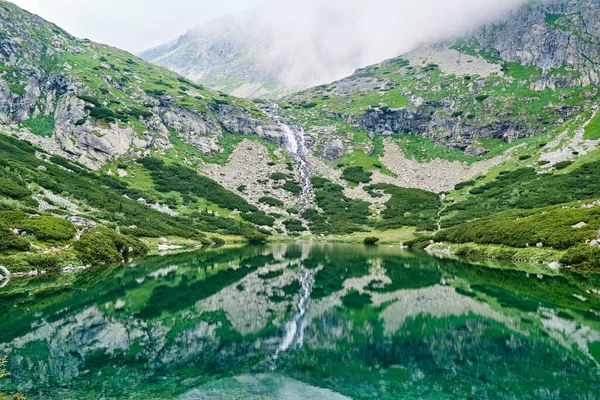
(294, 225)
(357, 175)
(279, 176)
(255, 238)
(355, 300)
(271, 201)
(562, 165)
(407, 207)
(12, 189)
(217, 241)
(371, 241)
(293, 187)
(524, 157)
(582, 256)
(340, 215)
(187, 181)
(259, 218)
(48, 228)
(10, 241)
(102, 246)
(463, 185)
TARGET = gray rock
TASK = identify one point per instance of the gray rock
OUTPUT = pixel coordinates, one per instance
(332, 150)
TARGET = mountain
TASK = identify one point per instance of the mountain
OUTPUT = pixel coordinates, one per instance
(483, 146)
(217, 55)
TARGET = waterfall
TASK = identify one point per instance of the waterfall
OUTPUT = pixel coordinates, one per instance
(294, 329)
(295, 144)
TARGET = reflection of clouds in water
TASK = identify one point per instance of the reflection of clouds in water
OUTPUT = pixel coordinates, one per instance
(260, 387)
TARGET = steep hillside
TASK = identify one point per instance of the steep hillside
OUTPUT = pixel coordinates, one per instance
(94, 103)
(100, 153)
(464, 139)
(521, 77)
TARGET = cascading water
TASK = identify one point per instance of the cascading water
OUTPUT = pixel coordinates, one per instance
(295, 144)
(294, 329)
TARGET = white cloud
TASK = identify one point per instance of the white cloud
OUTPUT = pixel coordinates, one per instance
(133, 25)
(311, 41)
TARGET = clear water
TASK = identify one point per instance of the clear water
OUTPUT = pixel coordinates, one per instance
(368, 323)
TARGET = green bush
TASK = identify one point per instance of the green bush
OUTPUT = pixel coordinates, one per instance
(50, 229)
(271, 201)
(562, 165)
(102, 246)
(10, 241)
(371, 241)
(184, 180)
(407, 207)
(463, 185)
(340, 215)
(292, 187)
(279, 176)
(582, 257)
(259, 218)
(12, 189)
(294, 225)
(551, 226)
(355, 300)
(217, 241)
(357, 175)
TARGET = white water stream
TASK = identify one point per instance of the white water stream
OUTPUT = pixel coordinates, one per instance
(295, 144)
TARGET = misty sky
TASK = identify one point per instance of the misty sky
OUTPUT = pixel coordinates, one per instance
(136, 25)
(133, 25)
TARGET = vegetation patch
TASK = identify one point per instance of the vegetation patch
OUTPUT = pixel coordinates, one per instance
(407, 207)
(340, 215)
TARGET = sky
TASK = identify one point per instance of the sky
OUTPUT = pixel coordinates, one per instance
(133, 25)
(136, 25)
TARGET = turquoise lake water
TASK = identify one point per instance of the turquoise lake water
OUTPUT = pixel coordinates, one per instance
(303, 321)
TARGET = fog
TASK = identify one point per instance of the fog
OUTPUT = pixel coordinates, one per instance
(310, 42)
(306, 41)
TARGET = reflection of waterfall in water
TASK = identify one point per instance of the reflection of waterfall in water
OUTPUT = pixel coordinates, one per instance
(295, 144)
(294, 329)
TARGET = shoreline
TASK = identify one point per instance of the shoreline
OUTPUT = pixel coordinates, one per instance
(532, 259)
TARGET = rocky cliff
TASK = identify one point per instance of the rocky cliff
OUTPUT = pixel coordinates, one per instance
(552, 35)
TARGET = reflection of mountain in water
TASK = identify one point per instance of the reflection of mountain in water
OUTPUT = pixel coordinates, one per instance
(380, 321)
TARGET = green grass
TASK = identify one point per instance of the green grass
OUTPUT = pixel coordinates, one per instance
(17, 89)
(359, 158)
(424, 150)
(41, 125)
(592, 130)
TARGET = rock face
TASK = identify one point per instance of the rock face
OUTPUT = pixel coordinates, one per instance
(549, 34)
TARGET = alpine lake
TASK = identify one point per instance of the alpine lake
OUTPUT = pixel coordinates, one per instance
(303, 321)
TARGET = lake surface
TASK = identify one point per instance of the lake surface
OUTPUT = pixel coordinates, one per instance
(302, 322)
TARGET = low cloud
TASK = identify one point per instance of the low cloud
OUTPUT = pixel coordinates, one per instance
(316, 41)
(302, 42)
